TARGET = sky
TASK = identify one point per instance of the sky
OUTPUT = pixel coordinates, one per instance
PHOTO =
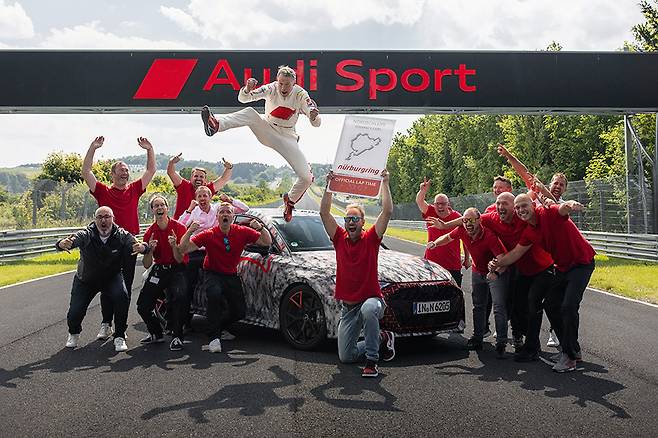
(578, 25)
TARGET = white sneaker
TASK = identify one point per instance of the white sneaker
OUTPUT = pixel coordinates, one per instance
(227, 336)
(552, 340)
(105, 331)
(215, 346)
(72, 341)
(120, 344)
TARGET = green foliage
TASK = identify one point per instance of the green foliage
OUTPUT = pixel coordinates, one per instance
(62, 167)
(646, 34)
(102, 170)
(161, 184)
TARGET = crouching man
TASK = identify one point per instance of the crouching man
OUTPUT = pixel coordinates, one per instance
(105, 255)
(167, 275)
(224, 243)
(357, 282)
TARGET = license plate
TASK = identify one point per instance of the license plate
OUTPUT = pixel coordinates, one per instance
(423, 307)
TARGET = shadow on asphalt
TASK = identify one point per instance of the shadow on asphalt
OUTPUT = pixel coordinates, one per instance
(583, 384)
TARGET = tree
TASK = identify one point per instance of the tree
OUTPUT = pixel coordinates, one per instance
(62, 167)
(646, 34)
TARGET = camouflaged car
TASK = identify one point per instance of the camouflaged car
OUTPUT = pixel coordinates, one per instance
(290, 285)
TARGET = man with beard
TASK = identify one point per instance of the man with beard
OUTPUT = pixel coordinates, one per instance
(284, 101)
(483, 246)
(447, 256)
(224, 244)
(105, 253)
(166, 276)
(553, 230)
(357, 281)
(186, 189)
(500, 185)
(123, 198)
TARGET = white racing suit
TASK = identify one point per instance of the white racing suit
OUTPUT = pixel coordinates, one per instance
(277, 128)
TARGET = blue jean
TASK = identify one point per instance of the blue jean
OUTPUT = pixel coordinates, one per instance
(499, 289)
(364, 315)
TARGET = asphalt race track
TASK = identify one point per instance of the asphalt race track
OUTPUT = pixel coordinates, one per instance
(261, 387)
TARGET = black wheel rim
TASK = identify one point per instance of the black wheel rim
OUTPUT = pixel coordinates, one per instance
(303, 317)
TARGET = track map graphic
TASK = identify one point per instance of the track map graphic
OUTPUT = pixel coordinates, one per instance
(362, 143)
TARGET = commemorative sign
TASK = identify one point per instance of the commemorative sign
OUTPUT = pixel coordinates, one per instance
(362, 155)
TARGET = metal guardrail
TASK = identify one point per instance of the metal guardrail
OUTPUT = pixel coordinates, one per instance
(627, 246)
(17, 244)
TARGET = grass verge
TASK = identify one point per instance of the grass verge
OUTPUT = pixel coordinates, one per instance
(28, 269)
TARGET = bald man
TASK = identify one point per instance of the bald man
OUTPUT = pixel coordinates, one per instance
(105, 254)
(552, 229)
(447, 256)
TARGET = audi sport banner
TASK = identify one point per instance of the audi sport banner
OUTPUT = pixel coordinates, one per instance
(362, 155)
(340, 81)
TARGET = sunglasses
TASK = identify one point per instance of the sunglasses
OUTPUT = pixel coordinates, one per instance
(227, 244)
(353, 219)
(470, 220)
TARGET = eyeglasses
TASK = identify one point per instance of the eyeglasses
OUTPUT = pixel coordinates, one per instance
(105, 216)
(227, 244)
(470, 220)
(354, 219)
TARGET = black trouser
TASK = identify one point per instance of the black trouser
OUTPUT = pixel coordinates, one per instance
(518, 305)
(563, 304)
(535, 289)
(169, 279)
(457, 275)
(226, 303)
(192, 272)
(107, 311)
(112, 288)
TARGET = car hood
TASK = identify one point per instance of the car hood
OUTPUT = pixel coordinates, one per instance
(394, 266)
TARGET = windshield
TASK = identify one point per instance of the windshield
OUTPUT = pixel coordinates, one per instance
(304, 233)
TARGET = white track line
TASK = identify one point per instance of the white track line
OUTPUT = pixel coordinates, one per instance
(36, 279)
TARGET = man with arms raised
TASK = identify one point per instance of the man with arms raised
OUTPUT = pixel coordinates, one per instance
(185, 189)
(105, 253)
(224, 244)
(447, 256)
(553, 230)
(284, 101)
(357, 281)
(122, 197)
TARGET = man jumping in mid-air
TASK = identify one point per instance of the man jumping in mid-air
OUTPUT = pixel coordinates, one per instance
(284, 100)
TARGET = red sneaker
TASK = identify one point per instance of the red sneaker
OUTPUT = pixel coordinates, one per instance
(288, 207)
(370, 370)
(210, 123)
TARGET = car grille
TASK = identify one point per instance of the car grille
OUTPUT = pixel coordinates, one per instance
(400, 298)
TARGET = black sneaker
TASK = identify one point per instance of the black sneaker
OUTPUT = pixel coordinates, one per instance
(518, 342)
(500, 351)
(525, 355)
(370, 370)
(152, 339)
(387, 345)
(474, 343)
(176, 344)
(210, 123)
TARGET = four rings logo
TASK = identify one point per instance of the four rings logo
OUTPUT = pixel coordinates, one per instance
(167, 77)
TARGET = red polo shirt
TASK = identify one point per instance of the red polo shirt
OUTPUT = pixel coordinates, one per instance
(483, 249)
(219, 257)
(124, 203)
(448, 255)
(559, 236)
(356, 265)
(163, 253)
(184, 195)
(491, 208)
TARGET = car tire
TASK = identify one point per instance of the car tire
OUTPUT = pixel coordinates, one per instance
(301, 318)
